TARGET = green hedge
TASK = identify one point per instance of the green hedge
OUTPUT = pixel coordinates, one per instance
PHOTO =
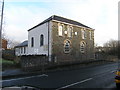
(7, 64)
(8, 54)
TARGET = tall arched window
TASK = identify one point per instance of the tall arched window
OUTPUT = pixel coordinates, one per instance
(67, 46)
(90, 35)
(83, 33)
(70, 29)
(32, 42)
(82, 47)
(60, 30)
(41, 40)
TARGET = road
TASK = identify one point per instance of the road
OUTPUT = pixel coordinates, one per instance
(98, 76)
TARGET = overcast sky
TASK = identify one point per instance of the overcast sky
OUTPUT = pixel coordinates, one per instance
(21, 15)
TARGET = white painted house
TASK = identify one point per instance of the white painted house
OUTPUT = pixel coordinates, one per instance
(22, 49)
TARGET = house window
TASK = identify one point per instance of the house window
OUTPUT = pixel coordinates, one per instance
(70, 29)
(60, 29)
(21, 50)
(18, 50)
(82, 47)
(90, 34)
(41, 40)
(83, 34)
(67, 46)
(32, 42)
(24, 50)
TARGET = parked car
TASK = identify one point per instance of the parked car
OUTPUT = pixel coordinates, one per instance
(117, 78)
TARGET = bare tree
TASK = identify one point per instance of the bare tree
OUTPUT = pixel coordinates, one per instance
(111, 47)
(12, 43)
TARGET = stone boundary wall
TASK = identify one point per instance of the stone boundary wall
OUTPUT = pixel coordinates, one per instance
(41, 63)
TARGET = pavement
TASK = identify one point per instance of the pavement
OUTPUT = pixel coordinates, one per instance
(14, 73)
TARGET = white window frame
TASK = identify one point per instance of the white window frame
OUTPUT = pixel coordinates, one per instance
(70, 31)
(90, 35)
(24, 50)
(60, 29)
(83, 32)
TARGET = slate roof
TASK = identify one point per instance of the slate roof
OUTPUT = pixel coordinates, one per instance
(62, 19)
(25, 43)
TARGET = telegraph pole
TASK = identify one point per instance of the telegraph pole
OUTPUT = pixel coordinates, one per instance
(1, 23)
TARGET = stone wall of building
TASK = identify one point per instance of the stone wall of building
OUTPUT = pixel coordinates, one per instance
(75, 54)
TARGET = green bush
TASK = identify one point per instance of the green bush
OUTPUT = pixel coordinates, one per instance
(8, 54)
(8, 64)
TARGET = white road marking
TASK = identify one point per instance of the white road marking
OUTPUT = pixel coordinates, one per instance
(24, 78)
(113, 71)
(74, 83)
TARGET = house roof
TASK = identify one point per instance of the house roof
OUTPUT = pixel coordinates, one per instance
(62, 19)
(25, 43)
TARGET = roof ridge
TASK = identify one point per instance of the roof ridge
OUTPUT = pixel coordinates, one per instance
(60, 18)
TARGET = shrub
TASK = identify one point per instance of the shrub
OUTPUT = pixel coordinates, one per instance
(8, 54)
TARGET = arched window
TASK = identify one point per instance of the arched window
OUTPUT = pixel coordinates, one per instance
(67, 46)
(82, 47)
(32, 42)
(60, 30)
(70, 29)
(90, 35)
(41, 40)
(83, 33)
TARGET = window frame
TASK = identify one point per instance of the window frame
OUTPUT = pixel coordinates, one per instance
(60, 29)
(21, 50)
(24, 50)
(69, 31)
(90, 36)
(41, 40)
(32, 41)
(84, 34)
(68, 46)
(82, 47)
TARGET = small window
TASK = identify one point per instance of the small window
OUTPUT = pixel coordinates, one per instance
(41, 40)
(70, 29)
(82, 47)
(67, 46)
(76, 33)
(32, 42)
(60, 29)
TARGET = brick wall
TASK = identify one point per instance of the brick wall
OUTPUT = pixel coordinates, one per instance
(4, 44)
